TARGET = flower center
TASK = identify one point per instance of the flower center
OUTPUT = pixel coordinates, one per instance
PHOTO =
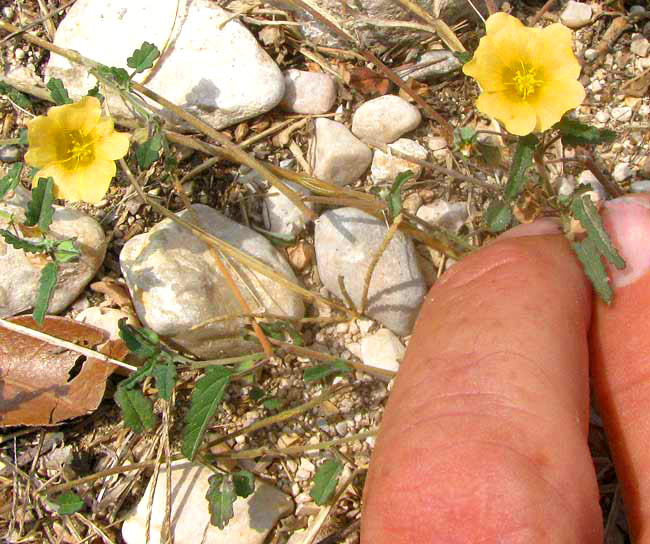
(524, 80)
(78, 150)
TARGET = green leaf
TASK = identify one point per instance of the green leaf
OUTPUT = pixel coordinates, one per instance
(46, 286)
(11, 180)
(65, 251)
(137, 410)
(22, 136)
(67, 503)
(40, 246)
(244, 482)
(206, 398)
(149, 152)
(142, 342)
(118, 76)
(584, 210)
(498, 216)
(272, 403)
(143, 57)
(325, 480)
(95, 92)
(165, 376)
(395, 194)
(592, 263)
(58, 92)
(577, 133)
(318, 372)
(15, 96)
(221, 496)
(522, 160)
(40, 210)
(463, 56)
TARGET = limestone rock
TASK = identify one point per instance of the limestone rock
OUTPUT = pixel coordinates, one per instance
(440, 213)
(175, 284)
(253, 517)
(337, 155)
(385, 119)
(346, 239)
(382, 350)
(308, 92)
(576, 14)
(219, 73)
(385, 166)
(282, 215)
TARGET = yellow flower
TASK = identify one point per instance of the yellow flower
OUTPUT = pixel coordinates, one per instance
(529, 76)
(78, 148)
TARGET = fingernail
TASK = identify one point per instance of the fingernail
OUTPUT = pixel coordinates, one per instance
(627, 221)
(547, 225)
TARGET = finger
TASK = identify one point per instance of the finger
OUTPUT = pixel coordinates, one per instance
(484, 438)
(620, 346)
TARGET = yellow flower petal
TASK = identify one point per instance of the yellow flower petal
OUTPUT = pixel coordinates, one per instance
(112, 147)
(500, 20)
(554, 100)
(518, 116)
(83, 115)
(97, 179)
(559, 62)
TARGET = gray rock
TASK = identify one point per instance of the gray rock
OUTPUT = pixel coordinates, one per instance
(432, 64)
(622, 114)
(175, 284)
(281, 215)
(253, 518)
(622, 171)
(346, 239)
(21, 271)
(385, 166)
(336, 155)
(10, 153)
(587, 177)
(308, 92)
(219, 73)
(382, 350)
(385, 119)
(642, 186)
(440, 213)
(576, 14)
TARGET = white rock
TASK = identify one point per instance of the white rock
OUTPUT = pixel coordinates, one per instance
(440, 213)
(576, 14)
(565, 185)
(346, 240)
(386, 166)
(591, 54)
(281, 215)
(21, 271)
(382, 350)
(253, 517)
(341, 428)
(432, 64)
(107, 319)
(602, 116)
(586, 177)
(642, 186)
(622, 114)
(308, 92)
(640, 47)
(219, 73)
(337, 155)
(8, 12)
(385, 119)
(175, 283)
(636, 9)
(622, 171)
(438, 146)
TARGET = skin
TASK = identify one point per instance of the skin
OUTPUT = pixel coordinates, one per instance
(484, 438)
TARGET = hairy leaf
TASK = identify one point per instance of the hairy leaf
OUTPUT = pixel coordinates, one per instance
(325, 480)
(221, 496)
(143, 57)
(58, 91)
(498, 216)
(206, 398)
(142, 342)
(165, 376)
(137, 410)
(149, 152)
(577, 133)
(9, 182)
(65, 251)
(118, 76)
(593, 266)
(46, 286)
(66, 503)
(318, 372)
(40, 246)
(40, 210)
(244, 482)
(522, 160)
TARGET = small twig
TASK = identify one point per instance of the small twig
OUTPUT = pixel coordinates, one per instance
(540, 13)
(591, 162)
(344, 293)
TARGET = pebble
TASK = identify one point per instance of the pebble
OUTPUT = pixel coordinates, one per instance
(587, 177)
(412, 203)
(8, 12)
(644, 169)
(636, 9)
(382, 350)
(433, 64)
(385, 166)
(385, 119)
(107, 319)
(308, 92)
(642, 186)
(281, 215)
(10, 153)
(175, 284)
(565, 185)
(576, 14)
(341, 428)
(622, 171)
(622, 113)
(337, 155)
(440, 213)
(640, 47)
(21, 272)
(346, 240)
(591, 54)
(438, 146)
(230, 77)
(254, 516)
(19, 54)
(602, 116)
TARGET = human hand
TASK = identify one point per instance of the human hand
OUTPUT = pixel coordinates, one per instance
(484, 438)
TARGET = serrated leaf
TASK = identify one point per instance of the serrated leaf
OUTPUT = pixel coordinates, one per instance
(67, 503)
(149, 152)
(325, 480)
(46, 286)
(142, 342)
(143, 57)
(522, 160)
(58, 91)
(137, 410)
(40, 210)
(584, 210)
(65, 251)
(498, 216)
(206, 398)
(576, 133)
(9, 182)
(395, 194)
(15, 96)
(221, 496)
(318, 372)
(593, 266)
(41, 246)
(244, 483)
(165, 376)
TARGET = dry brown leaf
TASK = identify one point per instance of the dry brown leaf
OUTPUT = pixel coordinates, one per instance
(44, 384)
(638, 86)
(117, 293)
(369, 82)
